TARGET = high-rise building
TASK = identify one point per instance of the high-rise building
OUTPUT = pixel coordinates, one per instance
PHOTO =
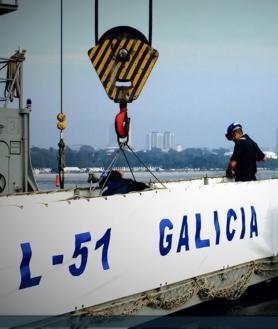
(276, 141)
(154, 140)
(168, 140)
(148, 142)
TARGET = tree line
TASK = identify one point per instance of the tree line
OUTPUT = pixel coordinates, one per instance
(88, 157)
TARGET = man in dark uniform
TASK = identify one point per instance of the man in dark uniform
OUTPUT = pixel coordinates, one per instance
(246, 153)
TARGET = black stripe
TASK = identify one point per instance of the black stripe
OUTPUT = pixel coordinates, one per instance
(106, 81)
(139, 63)
(118, 90)
(102, 55)
(142, 76)
(129, 51)
(133, 59)
(96, 52)
(112, 84)
(109, 59)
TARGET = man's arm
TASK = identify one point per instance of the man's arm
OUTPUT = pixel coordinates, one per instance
(231, 167)
(260, 155)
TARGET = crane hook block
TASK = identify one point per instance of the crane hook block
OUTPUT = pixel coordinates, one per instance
(123, 60)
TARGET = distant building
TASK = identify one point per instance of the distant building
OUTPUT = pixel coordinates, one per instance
(179, 148)
(270, 155)
(168, 140)
(154, 140)
(72, 170)
(159, 140)
(276, 141)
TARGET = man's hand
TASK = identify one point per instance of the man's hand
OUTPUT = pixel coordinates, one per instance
(229, 173)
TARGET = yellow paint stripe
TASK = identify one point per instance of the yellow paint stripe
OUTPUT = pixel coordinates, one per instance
(113, 75)
(141, 68)
(107, 54)
(135, 63)
(137, 44)
(109, 67)
(100, 52)
(141, 85)
(92, 52)
(113, 95)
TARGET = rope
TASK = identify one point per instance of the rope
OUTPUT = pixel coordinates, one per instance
(137, 157)
(150, 21)
(228, 283)
(96, 21)
(61, 144)
(122, 149)
(109, 170)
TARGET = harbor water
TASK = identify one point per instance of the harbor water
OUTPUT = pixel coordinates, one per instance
(46, 182)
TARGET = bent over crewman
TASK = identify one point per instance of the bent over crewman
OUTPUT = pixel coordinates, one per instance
(246, 153)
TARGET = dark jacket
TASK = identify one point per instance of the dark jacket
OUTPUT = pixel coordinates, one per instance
(246, 154)
(116, 184)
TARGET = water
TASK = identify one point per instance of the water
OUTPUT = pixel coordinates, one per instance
(46, 182)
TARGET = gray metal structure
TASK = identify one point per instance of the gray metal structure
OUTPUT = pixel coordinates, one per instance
(8, 6)
(16, 174)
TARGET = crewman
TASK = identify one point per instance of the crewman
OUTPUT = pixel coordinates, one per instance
(242, 164)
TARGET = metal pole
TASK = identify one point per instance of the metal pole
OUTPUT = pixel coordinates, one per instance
(96, 21)
(61, 60)
(25, 130)
(61, 143)
(150, 21)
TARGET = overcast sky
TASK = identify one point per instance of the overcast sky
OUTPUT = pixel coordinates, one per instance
(218, 63)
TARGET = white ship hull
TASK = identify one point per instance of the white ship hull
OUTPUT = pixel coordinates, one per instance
(61, 252)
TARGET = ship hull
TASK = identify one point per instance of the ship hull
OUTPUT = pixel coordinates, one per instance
(67, 251)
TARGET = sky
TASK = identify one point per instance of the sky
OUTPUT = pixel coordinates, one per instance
(218, 63)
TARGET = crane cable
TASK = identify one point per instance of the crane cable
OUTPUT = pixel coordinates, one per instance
(150, 21)
(122, 122)
(61, 125)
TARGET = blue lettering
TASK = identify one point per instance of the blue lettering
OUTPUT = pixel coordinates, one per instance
(199, 242)
(80, 251)
(253, 223)
(242, 234)
(184, 239)
(104, 241)
(217, 227)
(230, 234)
(25, 273)
(164, 250)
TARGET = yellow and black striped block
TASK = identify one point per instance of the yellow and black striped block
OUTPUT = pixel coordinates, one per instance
(123, 66)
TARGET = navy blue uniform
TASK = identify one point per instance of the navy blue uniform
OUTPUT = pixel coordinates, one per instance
(246, 153)
(115, 184)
